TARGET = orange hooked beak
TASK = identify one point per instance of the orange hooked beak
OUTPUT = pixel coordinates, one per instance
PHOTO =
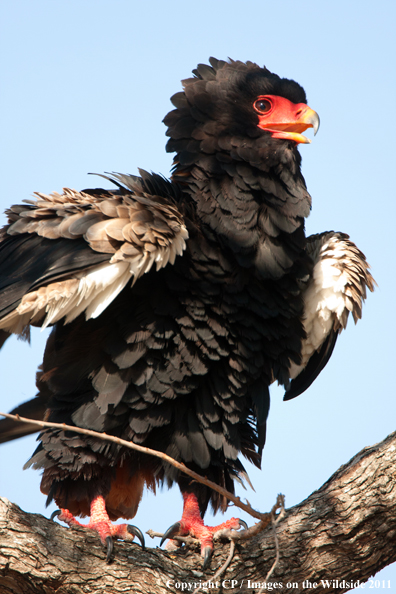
(284, 119)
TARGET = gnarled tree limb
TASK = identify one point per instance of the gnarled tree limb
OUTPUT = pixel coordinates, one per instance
(344, 531)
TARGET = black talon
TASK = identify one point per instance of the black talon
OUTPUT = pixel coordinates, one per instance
(54, 514)
(171, 532)
(136, 532)
(110, 547)
(207, 555)
(243, 524)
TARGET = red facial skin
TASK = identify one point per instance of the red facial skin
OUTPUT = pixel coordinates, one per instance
(284, 119)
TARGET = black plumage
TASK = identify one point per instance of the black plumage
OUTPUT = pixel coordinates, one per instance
(206, 304)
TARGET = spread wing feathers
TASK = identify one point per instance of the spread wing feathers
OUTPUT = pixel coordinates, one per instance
(337, 287)
(135, 227)
(32, 409)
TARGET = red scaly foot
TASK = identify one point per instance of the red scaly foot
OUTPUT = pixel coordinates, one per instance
(192, 524)
(100, 522)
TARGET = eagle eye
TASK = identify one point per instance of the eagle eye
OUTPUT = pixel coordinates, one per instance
(262, 105)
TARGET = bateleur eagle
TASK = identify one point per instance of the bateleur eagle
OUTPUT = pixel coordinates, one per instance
(175, 304)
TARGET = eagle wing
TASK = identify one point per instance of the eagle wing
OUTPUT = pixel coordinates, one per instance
(65, 254)
(338, 286)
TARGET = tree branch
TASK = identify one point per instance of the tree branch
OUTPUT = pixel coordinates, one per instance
(343, 531)
(264, 518)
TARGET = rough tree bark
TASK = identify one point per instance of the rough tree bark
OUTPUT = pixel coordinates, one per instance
(346, 530)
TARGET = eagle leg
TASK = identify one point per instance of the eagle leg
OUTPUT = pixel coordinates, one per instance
(192, 524)
(101, 523)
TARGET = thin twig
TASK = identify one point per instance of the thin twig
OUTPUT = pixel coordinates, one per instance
(251, 531)
(133, 446)
(280, 503)
(188, 540)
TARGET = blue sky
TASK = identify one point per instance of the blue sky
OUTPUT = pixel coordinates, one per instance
(85, 86)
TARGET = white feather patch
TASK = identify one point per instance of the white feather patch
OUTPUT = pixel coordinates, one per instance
(138, 230)
(325, 299)
(90, 291)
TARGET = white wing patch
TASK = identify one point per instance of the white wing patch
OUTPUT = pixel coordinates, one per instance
(337, 287)
(137, 231)
(91, 292)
